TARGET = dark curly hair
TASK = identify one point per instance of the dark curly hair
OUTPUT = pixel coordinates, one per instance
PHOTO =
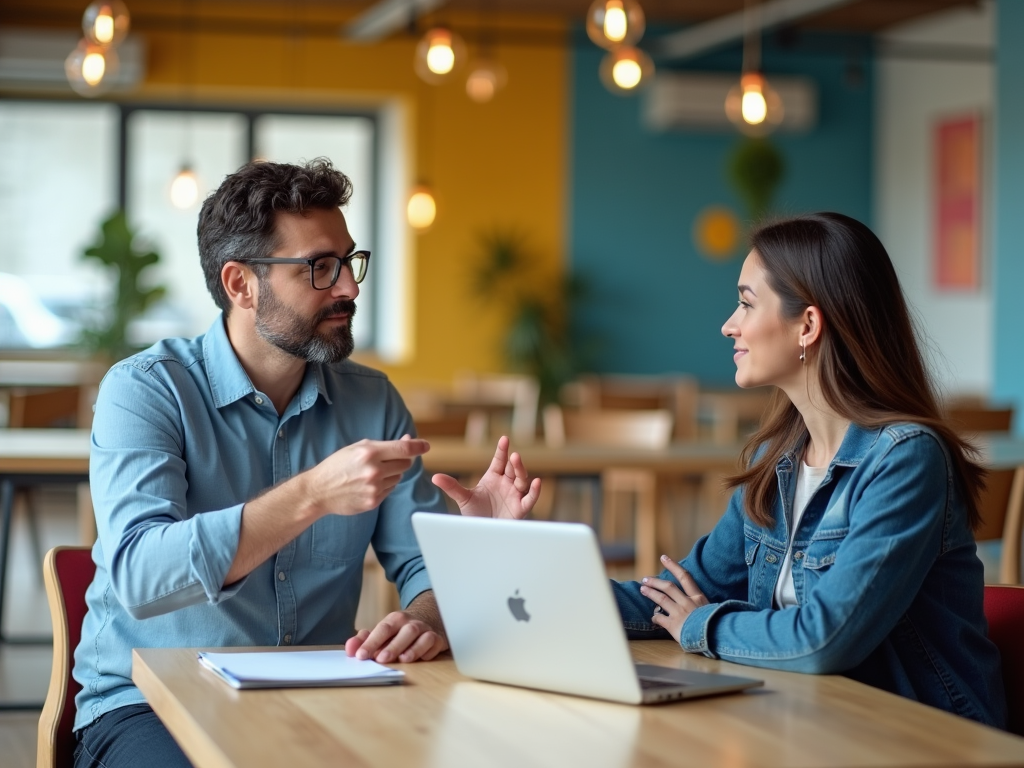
(237, 221)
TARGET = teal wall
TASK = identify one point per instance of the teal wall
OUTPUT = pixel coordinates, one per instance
(1008, 218)
(654, 304)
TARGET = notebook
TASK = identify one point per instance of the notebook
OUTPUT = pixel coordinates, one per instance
(297, 669)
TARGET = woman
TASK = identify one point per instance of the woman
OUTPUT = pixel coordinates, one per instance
(847, 545)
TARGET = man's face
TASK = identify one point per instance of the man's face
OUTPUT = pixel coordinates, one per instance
(292, 315)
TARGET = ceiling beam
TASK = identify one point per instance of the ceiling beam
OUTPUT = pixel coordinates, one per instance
(386, 16)
(725, 29)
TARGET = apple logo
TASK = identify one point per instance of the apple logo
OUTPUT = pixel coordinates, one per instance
(515, 604)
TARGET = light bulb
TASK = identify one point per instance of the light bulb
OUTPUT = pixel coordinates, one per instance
(106, 22)
(615, 22)
(486, 79)
(185, 188)
(626, 69)
(438, 53)
(90, 68)
(753, 105)
(422, 208)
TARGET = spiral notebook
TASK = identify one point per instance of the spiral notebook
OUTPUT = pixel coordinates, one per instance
(297, 669)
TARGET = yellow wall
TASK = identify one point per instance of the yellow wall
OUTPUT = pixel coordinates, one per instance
(496, 165)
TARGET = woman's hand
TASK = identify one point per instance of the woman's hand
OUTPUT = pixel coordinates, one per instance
(674, 604)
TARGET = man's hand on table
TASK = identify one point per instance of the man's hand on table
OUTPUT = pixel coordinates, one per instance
(505, 490)
(415, 634)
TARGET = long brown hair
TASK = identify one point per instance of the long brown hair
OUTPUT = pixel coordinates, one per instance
(870, 366)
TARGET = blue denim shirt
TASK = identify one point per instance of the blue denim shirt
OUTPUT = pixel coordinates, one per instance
(889, 587)
(180, 442)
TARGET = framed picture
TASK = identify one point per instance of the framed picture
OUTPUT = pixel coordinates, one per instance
(957, 211)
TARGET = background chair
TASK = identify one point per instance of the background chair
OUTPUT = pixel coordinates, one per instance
(67, 573)
(676, 393)
(1002, 518)
(651, 429)
(1004, 609)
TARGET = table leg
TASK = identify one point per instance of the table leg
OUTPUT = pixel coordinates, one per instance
(6, 512)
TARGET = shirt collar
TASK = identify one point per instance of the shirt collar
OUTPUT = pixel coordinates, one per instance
(851, 451)
(229, 381)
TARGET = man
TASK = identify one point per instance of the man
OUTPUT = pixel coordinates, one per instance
(239, 477)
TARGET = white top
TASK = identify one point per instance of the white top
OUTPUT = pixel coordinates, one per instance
(808, 479)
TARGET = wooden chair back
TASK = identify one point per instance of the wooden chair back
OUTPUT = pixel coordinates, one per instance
(1004, 610)
(974, 419)
(677, 393)
(517, 395)
(612, 428)
(67, 573)
(1002, 517)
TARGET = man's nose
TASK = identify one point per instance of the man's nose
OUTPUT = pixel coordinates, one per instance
(346, 287)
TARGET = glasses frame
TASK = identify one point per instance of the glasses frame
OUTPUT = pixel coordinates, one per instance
(344, 261)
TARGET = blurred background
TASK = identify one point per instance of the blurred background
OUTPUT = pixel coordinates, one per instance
(557, 195)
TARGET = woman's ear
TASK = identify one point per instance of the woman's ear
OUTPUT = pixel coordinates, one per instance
(812, 326)
(240, 284)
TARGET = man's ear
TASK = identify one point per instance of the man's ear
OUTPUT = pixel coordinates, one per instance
(240, 284)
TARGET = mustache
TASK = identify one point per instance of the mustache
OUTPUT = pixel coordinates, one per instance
(344, 306)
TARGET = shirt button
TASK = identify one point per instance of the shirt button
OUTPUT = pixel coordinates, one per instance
(770, 558)
(798, 556)
(287, 639)
(281, 576)
(280, 433)
(259, 401)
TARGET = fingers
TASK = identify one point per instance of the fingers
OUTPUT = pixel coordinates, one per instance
(516, 471)
(453, 488)
(384, 631)
(500, 456)
(406, 448)
(667, 588)
(530, 499)
(353, 643)
(405, 637)
(685, 580)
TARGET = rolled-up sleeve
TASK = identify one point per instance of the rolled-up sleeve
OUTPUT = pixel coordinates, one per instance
(159, 556)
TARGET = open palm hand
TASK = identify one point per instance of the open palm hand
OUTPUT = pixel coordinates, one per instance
(504, 491)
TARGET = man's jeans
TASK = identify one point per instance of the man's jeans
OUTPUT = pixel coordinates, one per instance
(128, 737)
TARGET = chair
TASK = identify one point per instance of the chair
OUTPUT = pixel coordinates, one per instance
(67, 573)
(514, 394)
(1004, 610)
(651, 429)
(973, 419)
(677, 393)
(1002, 517)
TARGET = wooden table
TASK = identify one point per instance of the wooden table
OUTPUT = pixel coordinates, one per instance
(440, 718)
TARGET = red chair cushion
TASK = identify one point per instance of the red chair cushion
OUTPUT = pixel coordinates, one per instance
(75, 570)
(1004, 609)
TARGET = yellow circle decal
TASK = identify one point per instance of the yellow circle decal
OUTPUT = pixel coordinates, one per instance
(716, 233)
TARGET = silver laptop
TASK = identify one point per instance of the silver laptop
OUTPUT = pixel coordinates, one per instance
(528, 603)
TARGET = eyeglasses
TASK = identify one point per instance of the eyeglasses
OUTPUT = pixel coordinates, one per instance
(325, 270)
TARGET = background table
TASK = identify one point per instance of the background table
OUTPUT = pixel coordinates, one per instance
(443, 719)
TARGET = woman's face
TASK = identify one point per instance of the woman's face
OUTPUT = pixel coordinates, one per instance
(766, 346)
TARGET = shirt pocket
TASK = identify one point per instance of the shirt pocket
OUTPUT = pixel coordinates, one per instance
(819, 557)
(341, 539)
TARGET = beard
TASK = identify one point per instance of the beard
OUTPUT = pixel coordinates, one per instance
(298, 336)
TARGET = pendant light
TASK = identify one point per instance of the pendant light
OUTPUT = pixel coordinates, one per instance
(438, 53)
(106, 22)
(612, 23)
(421, 207)
(487, 76)
(90, 68)
(626, 70)
(184, 189)
(752, 104)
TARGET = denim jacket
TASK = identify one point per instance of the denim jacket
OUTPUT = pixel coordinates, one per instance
(888, 584)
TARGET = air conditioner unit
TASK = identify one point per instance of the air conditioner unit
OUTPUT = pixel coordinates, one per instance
(33, 59)
(679, 101)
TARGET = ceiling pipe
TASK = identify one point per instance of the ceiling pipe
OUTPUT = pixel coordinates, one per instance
(725, 29)
(387, 16)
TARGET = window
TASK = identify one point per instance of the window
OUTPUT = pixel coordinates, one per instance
(69, 165)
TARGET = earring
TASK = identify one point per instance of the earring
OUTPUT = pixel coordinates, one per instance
(803, 353)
